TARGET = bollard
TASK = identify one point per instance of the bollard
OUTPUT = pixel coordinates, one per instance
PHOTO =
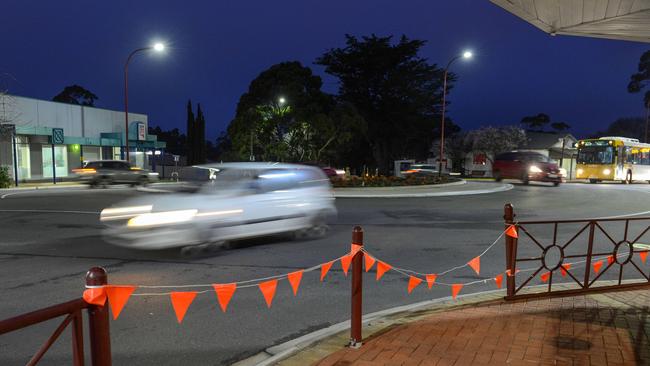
(100, 338)
(357, 290)
(511, 250)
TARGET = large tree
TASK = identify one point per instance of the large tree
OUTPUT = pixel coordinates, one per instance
(285, 116)
(75, 94)
(625, 127)
(397, 92)
(641, 79)
(494, 140)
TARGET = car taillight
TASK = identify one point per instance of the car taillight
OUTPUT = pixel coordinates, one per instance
(84, 171)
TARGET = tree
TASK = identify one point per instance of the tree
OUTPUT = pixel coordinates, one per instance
(625, 127)
(640, 80)
(560, 126)
(397, 92)
(175, 140)
(190, 152)
(199, 135)
(75, 94)
(536, 123)
(494, 140)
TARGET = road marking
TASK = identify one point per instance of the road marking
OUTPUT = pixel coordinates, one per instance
(55, 211)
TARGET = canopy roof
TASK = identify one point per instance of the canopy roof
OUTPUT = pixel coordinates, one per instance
(614, 19)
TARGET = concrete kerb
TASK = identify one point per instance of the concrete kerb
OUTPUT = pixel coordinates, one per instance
(379, 194)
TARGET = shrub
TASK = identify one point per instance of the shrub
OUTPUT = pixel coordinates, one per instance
(389, 181)
(5, 179)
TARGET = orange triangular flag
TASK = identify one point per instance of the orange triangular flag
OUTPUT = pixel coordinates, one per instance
(597, 266)
(431, 278)
(118, 297)
(610, 259)
(564, 268)
(544, 276)
(345, 263)
(511, 231)
(499, 280)
(382, 268)
(95, 296)
(354, 249)
(475, 264)
(181, 301)
(294, 279)
(455, 289)
(268, 290)
(643, 255)
(224, 293)
(370, 261)
(413, 283)
(509, 273)
(324, 268)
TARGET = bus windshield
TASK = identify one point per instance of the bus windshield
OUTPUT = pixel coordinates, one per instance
(596, 155)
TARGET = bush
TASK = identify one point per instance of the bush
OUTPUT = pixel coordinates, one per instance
(5, 179)
(391, 181)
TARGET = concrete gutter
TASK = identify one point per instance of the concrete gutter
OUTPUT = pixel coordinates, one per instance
(416, 191)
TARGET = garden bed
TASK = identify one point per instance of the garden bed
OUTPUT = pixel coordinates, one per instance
(391, 181)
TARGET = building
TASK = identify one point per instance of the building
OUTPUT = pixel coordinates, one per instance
(42, 140)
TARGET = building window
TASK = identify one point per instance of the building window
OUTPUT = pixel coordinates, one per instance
(22, 158)
(60, 160)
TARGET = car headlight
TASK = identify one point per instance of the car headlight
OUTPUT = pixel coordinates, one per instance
(162, 218)
(563, 172)
(606, 171)
(535, 169)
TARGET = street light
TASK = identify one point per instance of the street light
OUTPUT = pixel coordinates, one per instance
(465, 55)
(157, 47)
(281, 100)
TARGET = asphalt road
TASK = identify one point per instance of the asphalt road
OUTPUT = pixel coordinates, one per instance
(49, 238)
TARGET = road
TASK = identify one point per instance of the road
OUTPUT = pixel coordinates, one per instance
(51, 237)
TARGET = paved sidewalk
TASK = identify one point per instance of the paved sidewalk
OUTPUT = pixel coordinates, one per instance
(460, 188)
(598, 329)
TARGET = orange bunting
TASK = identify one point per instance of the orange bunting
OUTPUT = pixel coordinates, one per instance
(224, 294)
(354, 249)
(564, 268)
(181, 301)
(118, 297)
(382, 268)
(499, 280)
(545, 276)
(370, 261)
(511, 231)
(509, 273)
(597, 266)
(475, 264)
(345, 263)
(95, 296)
(455, 289)
(294, 279)
(610, 259)
(431, 278)
(643, 255)
(324, 268)
(268, 290)
(413, 283)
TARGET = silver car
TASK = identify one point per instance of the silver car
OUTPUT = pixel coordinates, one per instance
(102, 173)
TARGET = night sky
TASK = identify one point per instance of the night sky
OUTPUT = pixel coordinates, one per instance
(217, 47)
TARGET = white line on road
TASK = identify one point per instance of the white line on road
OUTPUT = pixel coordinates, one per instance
(55, 211)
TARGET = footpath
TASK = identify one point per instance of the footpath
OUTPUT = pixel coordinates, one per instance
(610, 328)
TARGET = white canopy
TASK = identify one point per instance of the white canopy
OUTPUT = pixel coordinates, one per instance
(614, 19)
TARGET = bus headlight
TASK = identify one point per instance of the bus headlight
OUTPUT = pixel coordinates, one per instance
(580, 171)
(606, 171)
(535, 169)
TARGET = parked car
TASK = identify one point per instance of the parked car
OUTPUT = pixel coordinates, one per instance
(526, 166)
(420, 170)
(244, 200)
(102, 173)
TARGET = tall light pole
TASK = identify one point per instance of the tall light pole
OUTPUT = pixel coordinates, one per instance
(465, 55)
(157, 47)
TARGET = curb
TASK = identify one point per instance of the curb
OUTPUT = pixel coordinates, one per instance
(502, 188)
(279, 352)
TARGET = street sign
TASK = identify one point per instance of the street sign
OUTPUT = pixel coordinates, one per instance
(176, 158)
(57, 136)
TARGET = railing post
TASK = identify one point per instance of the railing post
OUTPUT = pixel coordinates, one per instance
(590, 250)
(77, 339)
(357, 290)
(511, 250)
(100, 338)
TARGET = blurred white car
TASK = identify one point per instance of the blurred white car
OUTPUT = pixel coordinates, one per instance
(241, 200)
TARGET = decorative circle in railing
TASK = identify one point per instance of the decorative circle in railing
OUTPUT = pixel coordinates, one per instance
(620, 256)
(552, 257)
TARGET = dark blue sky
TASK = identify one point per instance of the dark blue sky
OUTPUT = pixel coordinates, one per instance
(218, 47)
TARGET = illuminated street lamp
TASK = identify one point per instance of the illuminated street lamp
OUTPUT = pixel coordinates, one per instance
(157, 47)
(281, 100)
(465, 55)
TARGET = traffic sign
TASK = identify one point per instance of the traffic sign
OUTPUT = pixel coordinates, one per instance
(57, 136)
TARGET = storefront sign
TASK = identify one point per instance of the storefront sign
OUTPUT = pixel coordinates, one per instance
(57, 136)
(142, 131)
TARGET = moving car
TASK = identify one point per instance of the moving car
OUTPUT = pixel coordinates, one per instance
(526, 166)
(333, 172)
(243, 200)
(420, 170)
(102, 173)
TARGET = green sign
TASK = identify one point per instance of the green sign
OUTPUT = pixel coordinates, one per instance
(57, 136)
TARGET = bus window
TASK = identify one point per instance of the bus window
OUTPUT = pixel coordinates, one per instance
(596, 155)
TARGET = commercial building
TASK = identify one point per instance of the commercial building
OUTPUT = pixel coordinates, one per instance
(42, 140)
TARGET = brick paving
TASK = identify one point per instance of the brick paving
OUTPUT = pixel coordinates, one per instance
(596, 329)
